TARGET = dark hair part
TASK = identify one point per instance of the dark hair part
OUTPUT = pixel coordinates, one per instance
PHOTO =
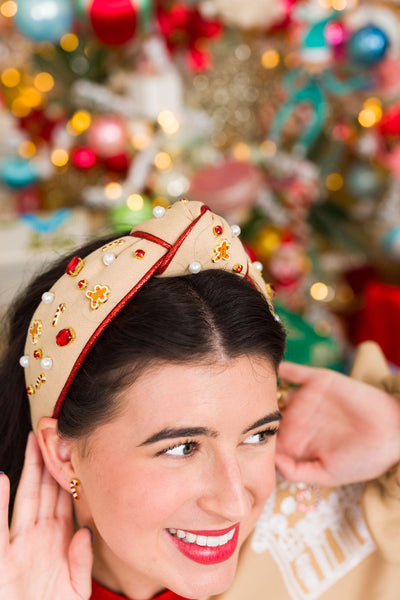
(172, 319)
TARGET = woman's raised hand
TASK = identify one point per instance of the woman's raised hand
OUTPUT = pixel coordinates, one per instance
(335, 429)
(40, 556)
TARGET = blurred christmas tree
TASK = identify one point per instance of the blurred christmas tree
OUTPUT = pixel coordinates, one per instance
(283, 116)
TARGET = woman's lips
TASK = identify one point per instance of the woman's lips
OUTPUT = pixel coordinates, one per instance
(206, 547)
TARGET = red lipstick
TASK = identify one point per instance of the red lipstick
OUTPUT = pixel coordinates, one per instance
(207, 555)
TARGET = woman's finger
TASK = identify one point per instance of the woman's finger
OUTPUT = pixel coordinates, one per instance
(80, 560)
(294, 373)
(4, 502)
(64, 505)
(307, 471)
(48, 495)
(28, 495)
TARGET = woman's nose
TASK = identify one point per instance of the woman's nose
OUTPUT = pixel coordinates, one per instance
(225, 492)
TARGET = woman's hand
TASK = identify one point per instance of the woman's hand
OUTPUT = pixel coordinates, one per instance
(335, 429)
(41, 557)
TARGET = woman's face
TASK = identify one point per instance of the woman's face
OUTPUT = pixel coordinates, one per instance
(176, 482)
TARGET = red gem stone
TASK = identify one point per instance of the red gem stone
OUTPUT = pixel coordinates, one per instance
(238, 268)
(74, 266)
(65, 337)
(82, 284)
(139, 253)
(218, 230)
(37, 354)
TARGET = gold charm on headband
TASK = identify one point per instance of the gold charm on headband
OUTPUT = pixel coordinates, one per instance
(74, 266)
(41, 379)
(237, 268)
(222, 251)
(217, 230)
(60, 309)
(30, 390)
(113, 244)
(36, 331)
(98, 296)
(37, 354)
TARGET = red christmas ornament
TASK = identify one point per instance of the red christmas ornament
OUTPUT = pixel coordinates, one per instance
(113, 21)
(83, 158)
(390, 122)
(119, 163)
(65, 337)
(185, 29)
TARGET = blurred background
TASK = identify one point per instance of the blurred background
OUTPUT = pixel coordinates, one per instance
(281, 115)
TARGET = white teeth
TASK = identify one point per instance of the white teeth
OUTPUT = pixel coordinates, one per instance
(201, 540)
(212, 541)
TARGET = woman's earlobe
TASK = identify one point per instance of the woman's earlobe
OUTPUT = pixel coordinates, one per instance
(56, 452)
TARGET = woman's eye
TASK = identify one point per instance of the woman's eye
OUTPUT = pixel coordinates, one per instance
(261, 436)
(185, 449)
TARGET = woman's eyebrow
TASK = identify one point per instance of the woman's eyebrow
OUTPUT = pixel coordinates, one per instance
(186, 432)
(179, 432)
(275, 416)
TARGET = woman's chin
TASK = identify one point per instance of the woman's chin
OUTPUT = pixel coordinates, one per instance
(207, 584)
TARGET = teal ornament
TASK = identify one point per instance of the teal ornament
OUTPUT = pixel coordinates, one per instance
(363, 180)
(17, 172)
(44, 21)
(391, 242)
(49, 224)
(122, 218)
(368, 45)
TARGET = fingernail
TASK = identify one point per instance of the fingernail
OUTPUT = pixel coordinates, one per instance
(91, 532)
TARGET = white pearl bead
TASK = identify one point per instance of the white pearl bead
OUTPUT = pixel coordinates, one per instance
(24, 361)
(195, 267)
(257, 265)
(108, 258)
(236, 230)
(48, 297)
(46, 363)
(158, 211)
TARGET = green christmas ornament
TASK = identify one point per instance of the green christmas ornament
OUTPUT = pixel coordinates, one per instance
(122, 218)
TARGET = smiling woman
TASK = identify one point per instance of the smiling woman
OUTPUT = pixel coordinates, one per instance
(154, 407)
(146, 368)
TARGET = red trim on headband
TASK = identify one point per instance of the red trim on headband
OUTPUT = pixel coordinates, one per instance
(151, 238)
(174, 249)
(157, 268)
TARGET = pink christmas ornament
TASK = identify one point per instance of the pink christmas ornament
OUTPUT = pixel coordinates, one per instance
(107, 136)
(227, 187)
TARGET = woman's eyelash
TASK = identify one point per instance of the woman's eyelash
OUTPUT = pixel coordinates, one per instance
(190, 443)
(269, 432)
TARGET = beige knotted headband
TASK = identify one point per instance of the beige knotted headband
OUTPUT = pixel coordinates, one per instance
(183, 239)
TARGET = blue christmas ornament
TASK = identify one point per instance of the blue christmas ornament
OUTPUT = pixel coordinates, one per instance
(17, 172)
(368, 45)
(363, 180)
(391, 242)
(44, 20)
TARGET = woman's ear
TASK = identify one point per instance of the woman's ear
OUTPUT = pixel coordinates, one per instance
(56, 452)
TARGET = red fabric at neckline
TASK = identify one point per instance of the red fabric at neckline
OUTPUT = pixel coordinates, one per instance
(101, 593)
